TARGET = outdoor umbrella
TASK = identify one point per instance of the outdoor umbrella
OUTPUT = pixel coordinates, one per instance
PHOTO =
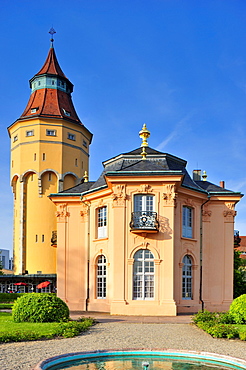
(25, 284)
(43, 285)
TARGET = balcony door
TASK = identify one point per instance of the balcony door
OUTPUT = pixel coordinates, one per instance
(143, 203)
(143, 216)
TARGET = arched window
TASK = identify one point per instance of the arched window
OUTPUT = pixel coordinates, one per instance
(101, 277)
(187, 278)
(143, 275)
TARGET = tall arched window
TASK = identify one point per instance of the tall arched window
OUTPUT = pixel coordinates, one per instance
(143, 275)
(187, 277)
(101, 277)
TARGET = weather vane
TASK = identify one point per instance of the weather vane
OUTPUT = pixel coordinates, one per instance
(52, 32)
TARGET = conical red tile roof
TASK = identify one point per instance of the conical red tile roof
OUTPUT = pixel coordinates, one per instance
(51, 65)
(51, 102)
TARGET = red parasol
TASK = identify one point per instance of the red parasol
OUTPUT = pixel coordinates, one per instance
(43, 285)
(24, 284)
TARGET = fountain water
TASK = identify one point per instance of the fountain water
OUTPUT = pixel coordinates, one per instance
(141, 359)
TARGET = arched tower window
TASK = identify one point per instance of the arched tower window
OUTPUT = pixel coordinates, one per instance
(187, 277)
(143, 275)
(101, 277)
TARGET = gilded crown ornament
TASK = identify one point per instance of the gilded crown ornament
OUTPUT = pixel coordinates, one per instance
(86, 177)
(144, 134)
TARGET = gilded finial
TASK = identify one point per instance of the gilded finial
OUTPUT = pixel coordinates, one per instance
(144, 134)
(204, 176)
(144, 154)
(52, 32)
(86, 177)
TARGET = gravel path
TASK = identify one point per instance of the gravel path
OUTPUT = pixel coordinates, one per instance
(115, 335)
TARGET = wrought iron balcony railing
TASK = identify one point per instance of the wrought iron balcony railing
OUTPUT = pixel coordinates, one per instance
(144, 221)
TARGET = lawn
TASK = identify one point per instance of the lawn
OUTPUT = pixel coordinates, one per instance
(11, 331)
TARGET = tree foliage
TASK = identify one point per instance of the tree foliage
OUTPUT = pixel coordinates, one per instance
(1, 266)
(238, 309)
(239, 276)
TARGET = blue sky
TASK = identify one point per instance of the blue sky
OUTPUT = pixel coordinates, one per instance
(177, 65)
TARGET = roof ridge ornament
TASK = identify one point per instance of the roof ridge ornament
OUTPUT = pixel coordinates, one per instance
(52, 32)
(204, 176)
(86, 177)
(144, 134)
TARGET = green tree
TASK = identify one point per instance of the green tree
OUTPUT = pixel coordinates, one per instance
(239, 287)
(1, 265)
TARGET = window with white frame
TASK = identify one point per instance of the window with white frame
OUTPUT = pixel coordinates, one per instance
(143, 275)
(143, 202)
(102, 222)
(187, 223)
(187, 277)
(143, 216)
(101, 277)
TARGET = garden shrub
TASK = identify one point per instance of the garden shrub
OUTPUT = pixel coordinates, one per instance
(204, 316)
(238, 309)
(217, 324)
(40, 307)
(225, 318)
(242, 335)
(73, 328)
(223, 331)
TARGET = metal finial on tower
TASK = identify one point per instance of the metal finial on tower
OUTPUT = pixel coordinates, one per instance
(204, 176)
(86, 177)
(144, 134)
(52, 32)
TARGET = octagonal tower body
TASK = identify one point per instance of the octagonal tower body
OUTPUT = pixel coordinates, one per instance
(49, 153)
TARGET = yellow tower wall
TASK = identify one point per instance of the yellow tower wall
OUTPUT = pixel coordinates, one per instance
(42, 164)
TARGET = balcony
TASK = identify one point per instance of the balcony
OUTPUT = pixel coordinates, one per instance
(144, 221)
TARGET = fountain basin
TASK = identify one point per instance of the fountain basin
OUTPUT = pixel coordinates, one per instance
(206, 358)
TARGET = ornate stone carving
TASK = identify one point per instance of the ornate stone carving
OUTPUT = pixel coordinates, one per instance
(62, 213)
(189, 203)
(230, 212)
(145, 188)
(100, 203)
(119, 196)
(231, 206)
(169, 195)
(145, 244)
(206, 214)
(84, 210)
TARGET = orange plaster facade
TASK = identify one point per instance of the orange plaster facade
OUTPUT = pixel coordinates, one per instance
(209, 248)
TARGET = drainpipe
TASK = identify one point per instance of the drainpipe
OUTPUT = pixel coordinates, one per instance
(201, 236)
(88, 253)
